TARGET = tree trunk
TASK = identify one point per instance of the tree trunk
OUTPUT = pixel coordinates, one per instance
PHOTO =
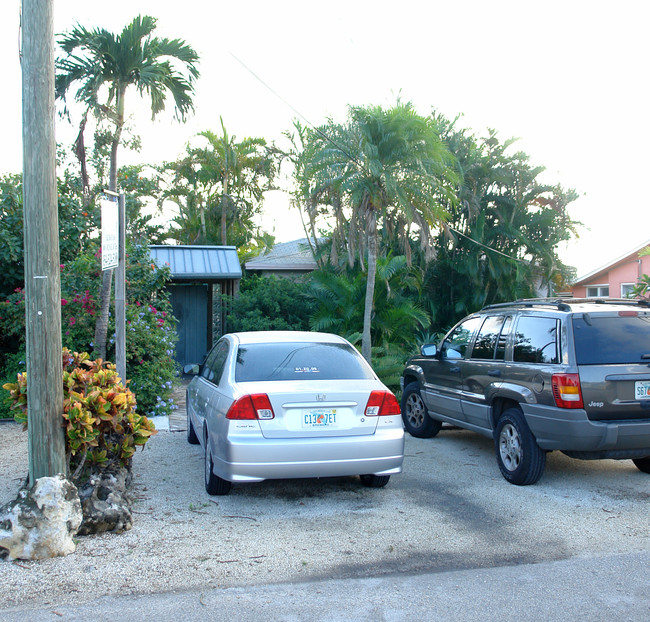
(101, 325)
(224, 205)
(366, 343)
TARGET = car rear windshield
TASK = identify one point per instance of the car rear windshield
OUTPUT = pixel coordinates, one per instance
(615, 339)
(299, 361)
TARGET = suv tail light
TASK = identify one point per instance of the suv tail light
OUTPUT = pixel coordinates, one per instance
(256, 406)
(381, 403)
(566, 390)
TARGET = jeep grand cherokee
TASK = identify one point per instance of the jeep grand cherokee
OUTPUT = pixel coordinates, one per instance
(540, 375)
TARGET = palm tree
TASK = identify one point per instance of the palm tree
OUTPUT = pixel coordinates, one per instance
(339, 300)
(389, 166)
(102, 66)
(242, 171)
(219, 187)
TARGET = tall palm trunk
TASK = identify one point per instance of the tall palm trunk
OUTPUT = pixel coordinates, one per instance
(224, 205)
(101, 325)
(366, 342)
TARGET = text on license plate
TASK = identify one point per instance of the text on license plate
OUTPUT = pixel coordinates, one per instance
(319, 418)
(642, 389)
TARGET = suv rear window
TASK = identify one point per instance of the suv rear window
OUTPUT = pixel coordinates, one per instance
(536, 340)
(299, 361)
(486, 340)
(605, 340)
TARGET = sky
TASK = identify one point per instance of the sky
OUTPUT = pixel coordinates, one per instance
(569, 79)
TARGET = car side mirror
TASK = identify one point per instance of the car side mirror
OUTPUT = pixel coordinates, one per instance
(429, 349)
(191, 370)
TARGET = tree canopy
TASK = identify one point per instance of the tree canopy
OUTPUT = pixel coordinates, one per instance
(101, 66)
(385, 166)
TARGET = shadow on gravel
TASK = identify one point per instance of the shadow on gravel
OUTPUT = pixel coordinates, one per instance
(433, 562)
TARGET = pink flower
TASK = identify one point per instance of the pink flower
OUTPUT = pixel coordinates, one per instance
(72, 321)
(64, 302)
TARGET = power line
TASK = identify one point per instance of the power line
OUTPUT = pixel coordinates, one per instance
(347, 154)
(494, 250)
(302, 116)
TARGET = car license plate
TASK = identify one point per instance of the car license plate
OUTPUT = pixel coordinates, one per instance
(321, 418)
(642, 389)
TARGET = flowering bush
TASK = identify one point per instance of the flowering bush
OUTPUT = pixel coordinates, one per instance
(102, 427)
(150, 366)
(150, 331)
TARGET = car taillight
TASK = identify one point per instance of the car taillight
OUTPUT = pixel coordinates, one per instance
(566, 390)
(382, 403)
(256, 406)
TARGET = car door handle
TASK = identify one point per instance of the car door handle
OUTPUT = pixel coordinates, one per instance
(454, 370)
(495, 372)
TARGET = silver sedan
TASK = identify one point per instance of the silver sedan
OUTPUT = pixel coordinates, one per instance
(277, 405)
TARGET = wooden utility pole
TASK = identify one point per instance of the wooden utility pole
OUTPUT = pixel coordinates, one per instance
(46, 440)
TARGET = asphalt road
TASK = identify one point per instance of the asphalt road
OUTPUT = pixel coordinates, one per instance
(595, 589)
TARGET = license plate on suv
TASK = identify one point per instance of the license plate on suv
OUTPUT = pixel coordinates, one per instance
(642, 389)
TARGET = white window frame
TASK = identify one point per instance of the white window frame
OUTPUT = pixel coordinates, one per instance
(599, 289)
(626, 288)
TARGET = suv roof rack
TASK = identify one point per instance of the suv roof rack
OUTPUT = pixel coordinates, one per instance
(641, 302)
(533, 302)
(563, 303)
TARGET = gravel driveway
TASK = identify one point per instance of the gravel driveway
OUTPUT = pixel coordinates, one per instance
(449, 510)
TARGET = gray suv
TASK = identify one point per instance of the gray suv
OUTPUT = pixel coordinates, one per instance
(540, 375)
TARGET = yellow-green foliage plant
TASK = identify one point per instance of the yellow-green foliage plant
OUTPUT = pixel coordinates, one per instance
(102, 427)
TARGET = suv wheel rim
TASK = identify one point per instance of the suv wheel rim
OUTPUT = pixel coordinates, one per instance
(510, 447)
(415, 410)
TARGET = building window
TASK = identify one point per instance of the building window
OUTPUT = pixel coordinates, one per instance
(598, 291)
(627, 290)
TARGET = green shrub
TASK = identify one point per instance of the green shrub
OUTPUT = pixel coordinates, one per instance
(150, 366)
(102, 427)
(271, 303)
(14, 365)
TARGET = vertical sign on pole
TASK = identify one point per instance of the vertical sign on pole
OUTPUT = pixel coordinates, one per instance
(110, 231)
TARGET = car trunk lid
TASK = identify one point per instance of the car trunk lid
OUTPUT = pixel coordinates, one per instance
(318, 410)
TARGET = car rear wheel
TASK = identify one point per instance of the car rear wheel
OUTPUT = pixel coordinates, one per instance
(192, 438)
(374, 481)
(519, 457)
(643, 464)
(415, 415)
(214, 485)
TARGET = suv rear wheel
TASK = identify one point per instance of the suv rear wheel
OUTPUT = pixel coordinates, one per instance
(415, 415)
(519, 457)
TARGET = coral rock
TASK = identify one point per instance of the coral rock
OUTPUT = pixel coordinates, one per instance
(43, 521)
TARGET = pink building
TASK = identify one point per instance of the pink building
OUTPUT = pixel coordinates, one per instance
(616, 279)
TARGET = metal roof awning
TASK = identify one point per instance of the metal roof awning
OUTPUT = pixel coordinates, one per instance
(191, 263)
(290, 256)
